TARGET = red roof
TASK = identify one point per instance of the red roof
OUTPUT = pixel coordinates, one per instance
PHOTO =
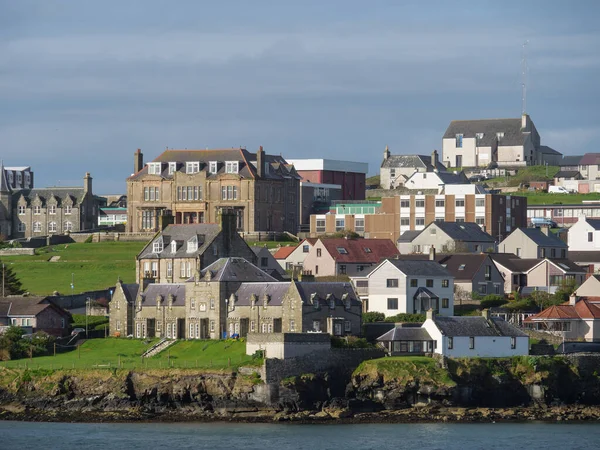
(360, 250)
(583, 309)
(284, 252)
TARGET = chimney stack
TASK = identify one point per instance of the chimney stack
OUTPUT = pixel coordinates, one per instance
(573, 299)
(138, 161)
(545, 229)
(87, 183)
(260, 154)
(228, 228)
(432, 253)
(430, 314)
(525, 122)
(486, 314)
(386, 153)
(434, 160)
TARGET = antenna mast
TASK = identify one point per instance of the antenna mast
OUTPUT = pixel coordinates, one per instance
(524, 70)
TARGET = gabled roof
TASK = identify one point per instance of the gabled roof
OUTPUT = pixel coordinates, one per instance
(182, 233)
(163, 290)
(284, 252)
(570, 160)
(590, 159)
(489, 127)
(409, 236)
(235, 269)
(416, 161)
(567, 174)
(583, 309)
(131, 291)
(541, 239)
(61, 194)
(566, 265)
(585, 256)
(4, 187)
(336, 290)
(422, 267)
(463, 231)
(406, 334)
(513, 263)
(594, 223)
(475, 326)
(360, 250)
(548, 150)
(464, 266)
(27, 306)
(276, 291)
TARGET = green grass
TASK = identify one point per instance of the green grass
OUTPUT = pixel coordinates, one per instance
(110, 352)
(527, 174)
(374, 180)
(544, 198)
(405, 369)
(272, 244)
(94, 266)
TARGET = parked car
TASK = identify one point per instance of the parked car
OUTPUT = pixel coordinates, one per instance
(558, 190)
(476, 178)
(76, 331)
(543, 222)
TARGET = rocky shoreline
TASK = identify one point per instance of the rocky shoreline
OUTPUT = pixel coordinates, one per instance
(436, 414)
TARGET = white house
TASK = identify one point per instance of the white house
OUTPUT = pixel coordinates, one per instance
(290, 257)
(584, 235)
(419, 181)
(475, 336)
(407, 286)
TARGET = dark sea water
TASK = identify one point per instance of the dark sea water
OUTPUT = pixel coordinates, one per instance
(216, 436)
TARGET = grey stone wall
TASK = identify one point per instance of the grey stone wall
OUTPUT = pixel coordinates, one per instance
(17, 251)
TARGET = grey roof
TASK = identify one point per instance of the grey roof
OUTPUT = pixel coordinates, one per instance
(416, 161)
(567, 174)
(409, 236)
(163, 290)
(567, 265)
(406, 334)
(62, 194)
(489, 127)
(131, 291)
(570, 160)
(594, 223)
(543, 240)
(4, 187)
(512, 262)
(263, 252)
(424, 292)
(463, 231)
(420, 267)
(453, 177)
(322, 290)
(585, 256)
(276, 291)
(235, 269)
(464, 266)
(475, 326)
(548, 150)
(204, 232)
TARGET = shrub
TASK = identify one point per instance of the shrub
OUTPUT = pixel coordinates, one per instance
(492, 301)
(89, 239)
(403, 317)
(349, 342)
(370, 317)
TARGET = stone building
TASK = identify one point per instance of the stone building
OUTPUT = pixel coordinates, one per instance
(30, 212)
(194, 185)
(396, 169)
(121, 309)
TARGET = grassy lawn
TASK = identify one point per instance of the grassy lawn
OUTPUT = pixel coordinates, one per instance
(94, 266)
(406, 369)
(110, 352)
(544, 198)
(272, 244)
(527, 174)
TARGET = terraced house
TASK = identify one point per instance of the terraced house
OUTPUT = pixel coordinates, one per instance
(195, 185)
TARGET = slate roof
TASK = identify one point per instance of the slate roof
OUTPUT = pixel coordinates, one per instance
(416, 161)
(406, 334)
(453, 177)
(590, 159)
(548, 150)
(412, 267)
(463, 231)
(62, 194)
(594, 223)
(475, 326)
(409, 236)
(585, 256)
(489, 127)
(276, 292)
(541, 239)
(235, 269)
(567, 174)
(570, 160)
(279, 167)
(336, 289)
(164, 290)
(566, 265)
(4, 186)
(464, 266)
(205, 232)
(424, 292)
(284, 252)
(583, 309)
(131, 291)
(369, 251)
(26, 306)
(513, 263)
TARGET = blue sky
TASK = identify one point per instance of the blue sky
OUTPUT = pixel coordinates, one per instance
(84, 83)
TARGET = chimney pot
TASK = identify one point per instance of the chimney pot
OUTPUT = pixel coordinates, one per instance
(573, 299)
(430, 315)
(432, 253)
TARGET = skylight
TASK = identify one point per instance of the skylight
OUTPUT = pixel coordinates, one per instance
(342, 251)
(461, 267)
(367, 250)
(564, 266)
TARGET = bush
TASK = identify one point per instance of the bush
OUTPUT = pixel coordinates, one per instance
(492, 301)
(349, 342)
(370, 317)
(89, 239)
(403, 317)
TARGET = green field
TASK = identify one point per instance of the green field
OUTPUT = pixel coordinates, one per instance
(126, 353)
(93, 266)
(527, 174)
(544, 198)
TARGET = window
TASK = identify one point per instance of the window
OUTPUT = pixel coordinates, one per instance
(157, 246)
(480, 221)
(419, 221)
(68, 209)
(212, 167)
(37, 210)
(231, 167)
(404, 203)
(392, 303)
(450, 343)
(445, 303)
(414, 282)
(482, 289)
(154, 269)
(192, 167)
(347, 326)
(182, 270)
(340, 224)
(471, 342)
(192, 245)
(392, 282)
(479, 136)
(154, 168)
(459, 140)
(497, 288)
(52, 209)
(264, 261)
(212, 303)
(480, 202)
(420, 203)
(429, 283)
(212, 325)
(342, 269)
(229, 193)
(519, 252)
(445, 283)
(292, 325)
(188, 271)
(318, 253)
(590, 236)
(359, 224)
(305, 248)
(500, 135)
(172, 168)
(488, 272)
(440, 203)
(52, 227)
(22, 227)
(169, 269)
(320, 225)
(404, 221)
(37, 227)
(342, 250)
(21, 210)
(193, 303)
(513, 343)
(460, 202)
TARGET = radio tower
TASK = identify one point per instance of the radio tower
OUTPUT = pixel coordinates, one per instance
(524, 70)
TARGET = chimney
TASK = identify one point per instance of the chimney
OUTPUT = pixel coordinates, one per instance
(434, 160)
(573, 299)
(486, 314)
(386, 153)
(138, 161)
(525, 122)
(545, 229)
(87, 183)
(164, 220)
(228, 228)
(430, 315)
(260, 154)
(432, 253)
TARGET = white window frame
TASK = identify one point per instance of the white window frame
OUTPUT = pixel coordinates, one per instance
(37, 227)
(212, 167)
(232, 167)
(169, 269)
(154, 269)
(157, 245)
(192, 167)
(172, 168)
(68, 209)
(154, 168)
(22, 210)
(51, 227)
(68, 226)
(37, 210)
(52, 209)
(22, 227)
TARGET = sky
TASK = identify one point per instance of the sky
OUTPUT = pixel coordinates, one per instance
(84, 83)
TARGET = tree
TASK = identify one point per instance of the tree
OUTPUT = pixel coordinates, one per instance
(373, 316)
(12, 285)
(12, 345)
(460, 295)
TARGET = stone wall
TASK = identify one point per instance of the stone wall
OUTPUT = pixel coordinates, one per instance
(17, 251)
(287, 345)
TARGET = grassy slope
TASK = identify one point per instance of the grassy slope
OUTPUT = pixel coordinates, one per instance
(406, 369)
(526, 174)
(543, 198)
(107, 352)
(95, 266)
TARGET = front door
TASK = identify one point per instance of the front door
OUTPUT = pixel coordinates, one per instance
(337, 329)
(276, 325)
(244, 326)
(151, 328)
(180, 329)
(458, 160)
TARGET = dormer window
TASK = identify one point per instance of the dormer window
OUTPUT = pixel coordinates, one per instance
(172, 168)
(479, 136)
(154, 168)
(342, 251)
(19, 178)
(68, 209)
(192, 167)
(212, 167)
(367, 250)
(173, 246)
(157, 246)
(37, 210)
(331, 301)
(500, 134)
(231, 167)
(192, 245)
